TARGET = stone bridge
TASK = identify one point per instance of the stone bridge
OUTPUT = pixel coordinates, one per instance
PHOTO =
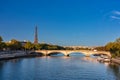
(68, 52)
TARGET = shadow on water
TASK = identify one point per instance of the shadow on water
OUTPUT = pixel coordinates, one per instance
(56, 54)
(74, 54)
(115, 69)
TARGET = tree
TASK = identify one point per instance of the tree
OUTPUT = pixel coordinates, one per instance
(29, 46)
(2, 45)
(47, 47)
(44, 46)
(109, 46)
(68, 48)
(1, 39)
(114, 48)
(101, 48)
(14, 44)
(117, 40)
(38, 47)
(52, 47)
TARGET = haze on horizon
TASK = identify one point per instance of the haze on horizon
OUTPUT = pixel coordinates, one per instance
(62, 22)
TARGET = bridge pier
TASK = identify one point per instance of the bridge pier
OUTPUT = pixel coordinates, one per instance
(87, 55)
(46, 53)
(68, 55)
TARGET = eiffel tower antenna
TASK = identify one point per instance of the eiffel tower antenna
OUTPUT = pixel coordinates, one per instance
(36, 36)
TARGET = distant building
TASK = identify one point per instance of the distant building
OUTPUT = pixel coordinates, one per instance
(23, 42)
(78, 47)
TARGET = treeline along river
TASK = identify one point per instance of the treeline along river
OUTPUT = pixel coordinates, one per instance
(58, 67)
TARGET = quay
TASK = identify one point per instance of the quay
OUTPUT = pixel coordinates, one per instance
(6, 55)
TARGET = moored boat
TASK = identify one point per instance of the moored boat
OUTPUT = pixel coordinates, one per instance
(103, 59)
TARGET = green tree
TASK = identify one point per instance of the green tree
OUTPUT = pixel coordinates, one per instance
(38, 46)
(101, 48)
(68, 48)
(47, 47)
(118, 40)
(109, 46)
(52, 47)
(1, 39)
(14, 44)
(44, 46)
(114, 48)
(2, 44)
(29, 46)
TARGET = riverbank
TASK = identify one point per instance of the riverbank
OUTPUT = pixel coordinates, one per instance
(20, 54)
(116, 60)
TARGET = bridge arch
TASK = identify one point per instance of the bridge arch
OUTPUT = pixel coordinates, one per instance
(101, 53)
(56, 52)
(52, 53)
(37, 53)
(75, 52)
(41, 52)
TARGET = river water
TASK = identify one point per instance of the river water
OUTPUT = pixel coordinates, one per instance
(58, 68)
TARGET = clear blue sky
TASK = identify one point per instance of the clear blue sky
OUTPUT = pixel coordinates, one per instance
(62, 22)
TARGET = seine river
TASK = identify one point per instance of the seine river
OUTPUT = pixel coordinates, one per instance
(58, 68)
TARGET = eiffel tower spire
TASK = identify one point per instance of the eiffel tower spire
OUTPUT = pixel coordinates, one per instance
(36, 36)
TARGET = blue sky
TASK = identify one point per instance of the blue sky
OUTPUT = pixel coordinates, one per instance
(62, 22)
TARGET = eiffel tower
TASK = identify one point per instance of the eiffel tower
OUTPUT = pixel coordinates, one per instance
(36, 36)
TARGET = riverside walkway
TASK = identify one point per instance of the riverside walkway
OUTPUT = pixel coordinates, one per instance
(11, 54)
